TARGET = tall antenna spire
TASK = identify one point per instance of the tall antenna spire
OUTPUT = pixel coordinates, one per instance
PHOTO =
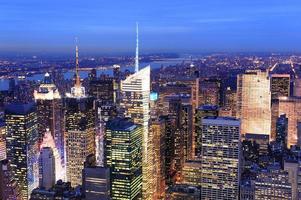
(77, 81)
(137, 49)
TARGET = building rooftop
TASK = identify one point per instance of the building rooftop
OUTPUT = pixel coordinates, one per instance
(121, 124)
(256, 136)
(208, 107)
(229, 121)
(20, 109)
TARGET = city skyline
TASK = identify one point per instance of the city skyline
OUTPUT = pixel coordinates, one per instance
(150, 100)
(181, 27)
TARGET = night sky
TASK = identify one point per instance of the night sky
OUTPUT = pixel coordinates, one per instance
(183, 26)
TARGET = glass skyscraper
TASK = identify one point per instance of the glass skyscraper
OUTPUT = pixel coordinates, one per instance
(123, 154)
(135, 92)
(22, 145)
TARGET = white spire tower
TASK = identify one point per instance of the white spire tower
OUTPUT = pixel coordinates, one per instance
(77, 91)
(137, 49)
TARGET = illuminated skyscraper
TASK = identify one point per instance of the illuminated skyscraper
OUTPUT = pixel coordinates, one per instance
(123, 146)
(202, 111)
(47, 168)
(220, 158)
(50, 116)
(103, 89)
(254, 102)
(135, 101)
(22, 145)
(2, 140)
(158, 130)
(79, 129)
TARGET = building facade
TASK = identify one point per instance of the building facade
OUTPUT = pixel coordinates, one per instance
(254, 102)
(22, 145)
(123, 155)
(135, 92)
(220, 154)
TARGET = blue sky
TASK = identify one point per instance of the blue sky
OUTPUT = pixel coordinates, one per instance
(165, 26)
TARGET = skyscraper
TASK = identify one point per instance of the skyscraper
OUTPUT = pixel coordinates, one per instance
(46, 168)
(158, 130)
(135, 101)
(123, 154)
(50, 116)
(2, 140)
(22, 145)
(104, 91)
(220, 158)
(201, 112)
(254, 102)
(79, 129)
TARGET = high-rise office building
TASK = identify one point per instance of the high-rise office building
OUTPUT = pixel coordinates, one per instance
(46, 168)
(187, 124)
(51, 117)
(123, 154)
(291, 107)
(2, 140)
(254, 102)
(135, 91)
(9, 188)
(230, 101)
(79, 129)
(104, 90)
(220, 153)
(203, 111)
(96, 180)
(170, 129)
(210, 89)
(280, 85)
(158, 130)
(273, 184)
(22, 145)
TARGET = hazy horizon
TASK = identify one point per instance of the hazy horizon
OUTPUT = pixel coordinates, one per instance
(179, 26)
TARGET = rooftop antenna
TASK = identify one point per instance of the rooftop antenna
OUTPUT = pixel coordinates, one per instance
(137, 49)
(77, 81)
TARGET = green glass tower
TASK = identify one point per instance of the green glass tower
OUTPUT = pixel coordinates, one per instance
(123, 154)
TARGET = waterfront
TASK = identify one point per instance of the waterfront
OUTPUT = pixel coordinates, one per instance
(4, 83)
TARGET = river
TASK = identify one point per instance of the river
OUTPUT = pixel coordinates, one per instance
(4, 83)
